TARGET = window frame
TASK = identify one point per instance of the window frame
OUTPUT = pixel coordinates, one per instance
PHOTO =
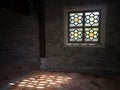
(102, 9)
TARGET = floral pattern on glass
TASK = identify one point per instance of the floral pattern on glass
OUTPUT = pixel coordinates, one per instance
(91, 34)
(91, 18)
(75, 34)
(76, 19)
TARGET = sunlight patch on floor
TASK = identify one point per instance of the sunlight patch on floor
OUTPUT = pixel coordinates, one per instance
(41, 81)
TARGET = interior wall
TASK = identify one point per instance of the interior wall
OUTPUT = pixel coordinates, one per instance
(85, 60)
(19, 39)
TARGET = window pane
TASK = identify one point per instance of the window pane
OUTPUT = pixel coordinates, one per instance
(91, 34)
(75, 19)
(91, 18)
(75, 34)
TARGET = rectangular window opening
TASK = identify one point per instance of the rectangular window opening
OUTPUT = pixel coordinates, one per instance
(85, 27)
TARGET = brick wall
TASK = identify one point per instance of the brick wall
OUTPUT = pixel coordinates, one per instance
(19, 39)
(90, 60)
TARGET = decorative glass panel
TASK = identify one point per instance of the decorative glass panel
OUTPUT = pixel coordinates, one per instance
(91, 34)
(84, 26)
(75, 19)
(75, 34)
(91, 18)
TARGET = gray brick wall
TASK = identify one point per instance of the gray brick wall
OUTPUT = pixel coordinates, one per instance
(61, 58)
(19, 39)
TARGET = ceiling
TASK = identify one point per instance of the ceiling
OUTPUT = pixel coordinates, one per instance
(22, 6)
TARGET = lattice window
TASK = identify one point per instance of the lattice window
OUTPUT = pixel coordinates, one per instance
(84, 27)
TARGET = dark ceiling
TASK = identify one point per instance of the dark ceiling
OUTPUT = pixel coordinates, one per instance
(28, 6)
(22, 6)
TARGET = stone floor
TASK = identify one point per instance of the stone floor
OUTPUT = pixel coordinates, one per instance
(37, 80)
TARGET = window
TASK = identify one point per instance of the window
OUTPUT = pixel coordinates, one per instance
(85, 26)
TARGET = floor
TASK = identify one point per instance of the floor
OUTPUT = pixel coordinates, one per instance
(37, 80)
